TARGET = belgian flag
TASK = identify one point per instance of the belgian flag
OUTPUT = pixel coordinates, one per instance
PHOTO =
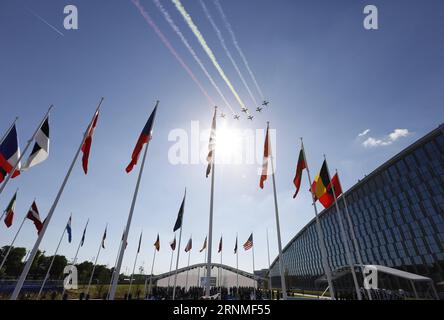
(321, 187)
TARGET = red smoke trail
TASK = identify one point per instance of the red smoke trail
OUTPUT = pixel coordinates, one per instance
(165, 41)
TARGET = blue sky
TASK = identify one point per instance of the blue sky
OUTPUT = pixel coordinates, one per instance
(327, 78)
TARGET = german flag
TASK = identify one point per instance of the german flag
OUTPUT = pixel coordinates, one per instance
(321, 187)
(299, 168)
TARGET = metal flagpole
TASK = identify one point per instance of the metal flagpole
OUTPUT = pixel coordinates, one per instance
(114, 269)
(178, 252)
(12, 243)
(27, 267)
(278, 228)
(151, 274)
(50, 265)
(269, 266)
(210, 227)
(128, 223)
(254, 277)
(132, 273)
(24, 151)
(186, 279)
(9, 130)
(344, 236)
(171, 265)
(325, 265)
(352, 232)
(95, 264)
(220, 275)
(237, 263)
(75, 259)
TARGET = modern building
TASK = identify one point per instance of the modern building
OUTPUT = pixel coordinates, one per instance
(397, 215)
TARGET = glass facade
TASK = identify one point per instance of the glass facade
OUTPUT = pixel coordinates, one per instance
(397, 214)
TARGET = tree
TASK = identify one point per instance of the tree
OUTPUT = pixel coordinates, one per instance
(13, 265)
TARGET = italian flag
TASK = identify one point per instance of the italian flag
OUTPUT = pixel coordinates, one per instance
(10, 211)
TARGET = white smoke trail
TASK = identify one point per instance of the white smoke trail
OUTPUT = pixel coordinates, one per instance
(222, 42)
(207, 49)
(190, 49)
(236, 44)
(173, 51)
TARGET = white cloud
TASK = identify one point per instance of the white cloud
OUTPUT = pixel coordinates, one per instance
(363, 133)
(387, 140)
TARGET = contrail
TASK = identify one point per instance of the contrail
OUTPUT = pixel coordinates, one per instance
(236, 44)
(222, 42)
(165, 41)
(192, 52)
(44, 21)
(207, 49)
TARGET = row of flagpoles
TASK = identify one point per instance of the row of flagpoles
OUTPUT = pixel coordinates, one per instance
(324, 189)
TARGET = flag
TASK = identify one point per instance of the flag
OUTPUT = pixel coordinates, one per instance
(10, 211)
(144, 137)
(140, 242)
(189, 245)
(173, 244)
(157, 243)
(86, 147)
(265, 161)
(319, 187)
(204, 245)
(299, 168)
(34, 216)
(123, 237)
(179, 219)
(9, 154)
(249, 244)
(40, 151)
(103, 239)
(235, 246)
(69, 229)
(220, 245)
(83, 235)
(211, 145)
(336, 185)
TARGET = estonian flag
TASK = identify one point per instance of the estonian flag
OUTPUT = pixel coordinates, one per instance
(144, 137)
(9, 154)
(179, 219)
(40, 151)
(69, 230)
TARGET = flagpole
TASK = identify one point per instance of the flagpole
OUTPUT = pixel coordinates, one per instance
(325, 264)
(151, 274)
(237, 263)
(344, 236)
(278, 228)
(130, 217)
(50, 265)
(186, 279)
(95, 264)
(254, 277)
(12, 243)
(171, 265)
(4, 212)
(134, 268)
(24, 151)
(210, 227)
(9, 130)
(220, 274)
(27, 267)
(114, 269)
(352, 232)
(178, 252)
(75, 258)
(269, 266)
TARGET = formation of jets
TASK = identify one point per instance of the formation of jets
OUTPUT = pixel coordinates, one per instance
(245, 110)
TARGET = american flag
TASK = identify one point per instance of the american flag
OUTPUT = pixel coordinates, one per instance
(249, 244)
